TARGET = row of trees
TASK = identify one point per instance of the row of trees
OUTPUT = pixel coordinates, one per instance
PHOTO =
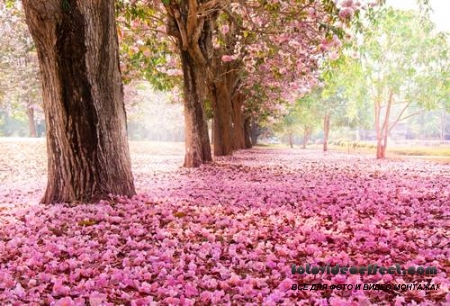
(237, 62)
(396, 68)
(235, 59)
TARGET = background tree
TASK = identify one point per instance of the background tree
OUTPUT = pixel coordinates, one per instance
(302, 118)
(220, 43)
(399, 67)
(340, 101)
(19, 71)
(88, 156)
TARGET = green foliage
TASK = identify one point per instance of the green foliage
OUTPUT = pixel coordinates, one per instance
(394, 51)
(301, 118)
(401, 53)
(145, 52)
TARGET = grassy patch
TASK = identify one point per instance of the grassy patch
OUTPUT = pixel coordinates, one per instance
(421, 151)
(408, 151)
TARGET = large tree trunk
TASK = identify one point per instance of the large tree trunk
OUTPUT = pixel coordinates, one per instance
(326, 131)
(88, 155)
(198, 149)
(254, 132)
(238, 122)
(31, 122)
(193, 34)
(247, 133)
(222, 107)
(254, 138)
(222, 86)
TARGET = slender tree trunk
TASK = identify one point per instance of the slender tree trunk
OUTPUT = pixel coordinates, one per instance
(31, 122)
(377, 109)
(443, 124)
(383, 130)
(210, 124)
(238, 122)
(326, 131)
(88, 155)
(291, 140)
(306, 135)
(223, 142)
(198, 149)
(247, 133)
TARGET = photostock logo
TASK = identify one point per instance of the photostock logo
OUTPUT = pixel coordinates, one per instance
(371, 269)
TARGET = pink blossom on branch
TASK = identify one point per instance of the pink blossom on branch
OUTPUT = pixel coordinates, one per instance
(227, 58)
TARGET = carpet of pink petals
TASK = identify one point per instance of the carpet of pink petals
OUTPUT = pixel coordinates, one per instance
(226, 233)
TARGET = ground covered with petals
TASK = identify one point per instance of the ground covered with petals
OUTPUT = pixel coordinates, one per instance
(226, 233)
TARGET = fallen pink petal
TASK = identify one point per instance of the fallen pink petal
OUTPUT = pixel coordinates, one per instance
(230, 231)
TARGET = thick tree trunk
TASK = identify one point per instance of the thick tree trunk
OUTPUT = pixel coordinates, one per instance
(198, 149)
(31, 122)
(194, 41)
(326, 131)
(223, 142)
(254, 138)
(238, 122)
(88, 155)
(247, 137)
(254, 132)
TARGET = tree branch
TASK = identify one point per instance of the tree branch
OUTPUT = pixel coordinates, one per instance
(192, 18)
(392, 125)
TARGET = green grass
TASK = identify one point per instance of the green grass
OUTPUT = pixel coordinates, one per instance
(420, 151)
(437, 154)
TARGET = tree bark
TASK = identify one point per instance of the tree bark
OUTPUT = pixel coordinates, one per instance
(254, 132)
(247, 137)
(88, 154)
(193, 34)
(223, 144)
(238, 122)
(198, 149)
(383, 130)
(31, 123)
(326, 131)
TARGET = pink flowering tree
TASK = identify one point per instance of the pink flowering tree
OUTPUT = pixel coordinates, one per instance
(227, 50)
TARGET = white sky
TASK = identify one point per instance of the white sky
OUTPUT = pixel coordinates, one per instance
(440, 14)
